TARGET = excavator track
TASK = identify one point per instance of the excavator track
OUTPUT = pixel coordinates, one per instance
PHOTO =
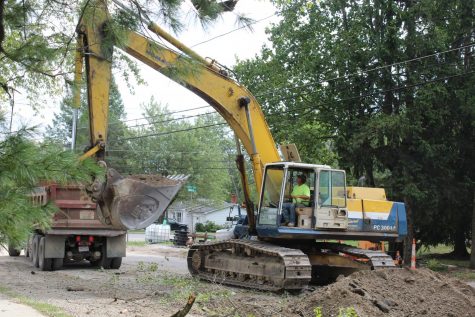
(376, 259)
(251, 264)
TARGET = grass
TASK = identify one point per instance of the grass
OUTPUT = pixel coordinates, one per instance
(136, 231)
(465, 275)
(438, 249)
(343, 312)
(435, 265)
(143, 243)
(44, 308)
(136, 243)
(438, 258)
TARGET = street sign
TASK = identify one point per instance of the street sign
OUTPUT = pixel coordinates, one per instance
(191, 188)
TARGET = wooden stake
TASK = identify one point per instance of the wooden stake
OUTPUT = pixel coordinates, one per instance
(184, 311)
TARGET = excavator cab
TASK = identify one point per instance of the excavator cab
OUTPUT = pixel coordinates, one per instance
(325, 208)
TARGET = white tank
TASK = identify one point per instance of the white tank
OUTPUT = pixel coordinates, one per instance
(225, 234)
(157, 233)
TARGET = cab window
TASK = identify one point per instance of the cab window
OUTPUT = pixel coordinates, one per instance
(332, 188)
(270, 200)
(293, 188)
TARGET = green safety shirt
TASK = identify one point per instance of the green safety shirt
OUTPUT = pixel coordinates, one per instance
(301, 190)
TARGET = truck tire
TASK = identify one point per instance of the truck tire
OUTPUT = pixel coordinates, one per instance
(34, 250)
(104, 261)
(44, 264)
(12, 251)
(57, 263)
(116, 263)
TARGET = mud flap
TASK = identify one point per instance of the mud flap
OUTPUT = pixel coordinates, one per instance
(135, 202)
(54, 246)
(116, 246)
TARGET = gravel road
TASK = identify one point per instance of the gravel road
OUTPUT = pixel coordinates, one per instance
(153, 281)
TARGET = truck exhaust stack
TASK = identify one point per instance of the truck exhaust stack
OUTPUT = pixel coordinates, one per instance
(136, 201)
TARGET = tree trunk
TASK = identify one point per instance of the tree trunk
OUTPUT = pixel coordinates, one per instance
(410, 232)
(472, 255)
(460, 246)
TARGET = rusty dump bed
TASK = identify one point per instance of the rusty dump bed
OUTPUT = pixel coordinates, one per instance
(118, 204)
(76, 209)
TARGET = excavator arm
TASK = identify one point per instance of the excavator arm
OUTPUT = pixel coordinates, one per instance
(132, 202)
(231, 100)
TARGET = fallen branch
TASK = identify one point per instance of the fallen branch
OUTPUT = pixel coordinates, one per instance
(184, 311)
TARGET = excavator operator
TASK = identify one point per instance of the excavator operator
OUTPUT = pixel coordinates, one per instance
(300, 198)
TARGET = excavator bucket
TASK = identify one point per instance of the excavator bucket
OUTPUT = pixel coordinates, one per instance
(136, 201)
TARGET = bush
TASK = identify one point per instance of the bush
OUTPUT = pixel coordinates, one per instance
(209, 226)
(199, 227)
(435, 265)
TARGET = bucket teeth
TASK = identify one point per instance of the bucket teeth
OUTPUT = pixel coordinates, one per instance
(136, 201)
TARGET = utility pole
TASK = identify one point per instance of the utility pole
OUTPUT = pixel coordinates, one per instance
(12, 105)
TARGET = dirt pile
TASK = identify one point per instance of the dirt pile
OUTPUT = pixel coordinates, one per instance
(398, 292)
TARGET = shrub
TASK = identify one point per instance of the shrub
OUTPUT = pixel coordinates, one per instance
(435, 265)
(209, 226)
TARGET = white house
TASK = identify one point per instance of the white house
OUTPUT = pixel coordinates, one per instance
(202, 211)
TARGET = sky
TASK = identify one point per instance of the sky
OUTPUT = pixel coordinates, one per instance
(241, 44)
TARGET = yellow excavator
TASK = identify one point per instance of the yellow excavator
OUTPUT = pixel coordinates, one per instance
(265, 254)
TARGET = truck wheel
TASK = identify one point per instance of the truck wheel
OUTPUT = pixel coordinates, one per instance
(34, 250)
(57, 263)
(116, 263)
(12, 251)
(105, 262)
(43, 263)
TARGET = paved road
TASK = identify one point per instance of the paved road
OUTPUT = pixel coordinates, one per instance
(135, 236)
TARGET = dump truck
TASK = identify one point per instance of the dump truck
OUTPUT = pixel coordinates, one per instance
(86, 229)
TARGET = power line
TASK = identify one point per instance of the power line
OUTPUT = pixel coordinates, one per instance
(172, 119)
(155, 122)
(170, 132)
(234, 30)
(305, 108)
(168, 113)
(363, 96)
(360, 73)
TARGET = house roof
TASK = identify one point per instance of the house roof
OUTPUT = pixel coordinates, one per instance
(199, 206)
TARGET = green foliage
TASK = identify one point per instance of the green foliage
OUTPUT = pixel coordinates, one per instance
(60, 131)
(37, 39)
(164, 145)
(435, 265)
(343, 312)
(347, 312)
(318, 312)
(409, 128)
(23, 165)
(208, 226)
